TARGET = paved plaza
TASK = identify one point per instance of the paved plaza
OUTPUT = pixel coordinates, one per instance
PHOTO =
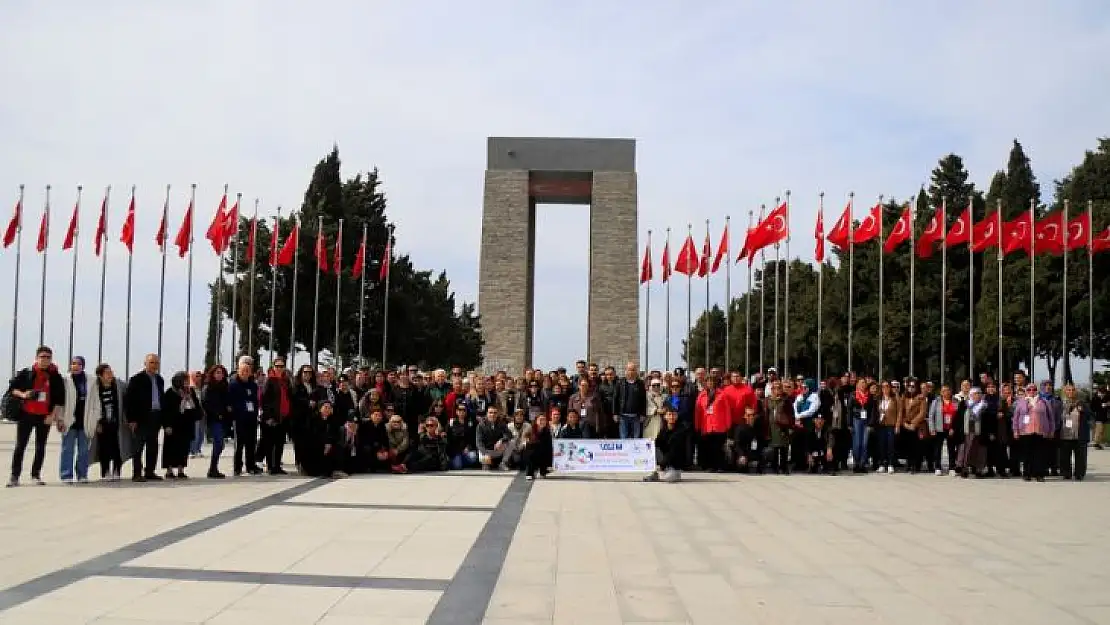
(472, 547)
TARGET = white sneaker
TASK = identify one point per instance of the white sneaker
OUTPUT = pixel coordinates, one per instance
(939, 473)
(82, 480)
(952, 472)
(672, 475)
(529, 478)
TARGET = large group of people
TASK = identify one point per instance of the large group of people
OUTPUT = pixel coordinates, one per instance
(406, 420)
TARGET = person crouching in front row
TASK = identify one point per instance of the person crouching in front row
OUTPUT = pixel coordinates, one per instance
(320, 453)
(399, 444)
(671, 449)
(747, 444)
(575, 427)
(430, 453)
(492, 439)
(374, 443)
(819, 445)
(539, 452)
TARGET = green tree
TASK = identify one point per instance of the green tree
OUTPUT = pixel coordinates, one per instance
(426, 326)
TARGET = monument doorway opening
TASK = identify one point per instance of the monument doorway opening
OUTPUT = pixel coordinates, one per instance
(562, 277)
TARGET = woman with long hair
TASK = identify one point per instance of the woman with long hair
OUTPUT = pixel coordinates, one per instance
(890, 421)
(862, 408)
(215, 400)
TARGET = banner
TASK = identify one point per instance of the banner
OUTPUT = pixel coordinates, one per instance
(635, 455)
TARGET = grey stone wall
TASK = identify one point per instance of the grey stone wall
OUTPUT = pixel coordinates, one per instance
(505, 271)
(614, 309)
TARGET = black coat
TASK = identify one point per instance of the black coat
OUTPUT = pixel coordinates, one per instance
(25, 381)
(217, 404)
(672, 445)
(137, 399)
(631, 397)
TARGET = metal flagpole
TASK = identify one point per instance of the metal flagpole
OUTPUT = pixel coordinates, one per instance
(218, 318)
(1091, 294)
(162, 285)
(15, 299)
(851, 259)
(647, 314)
(728, 293)
(775, 349)
(913, 253)
(338, 288)
(881, 254)
(103, 276)
(998, 208)
(73, 280)
(667, 316)
(762, 293)
(235, 285)
(1064, 300)
(275, 239)
(786, 297)
(45, 253)
(689, 301)
(820, 282)
(748, 303)
(708, 323)
(254, 257)
(130, 263)
(189, 279)
(1032, 285)
(362, 298)
(943, 285)
(316, 309)
(970, 291)
(293, 314)
(385, 305)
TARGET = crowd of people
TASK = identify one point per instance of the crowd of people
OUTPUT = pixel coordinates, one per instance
(406, 420)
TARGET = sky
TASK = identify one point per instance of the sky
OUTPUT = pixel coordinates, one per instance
(731, 103)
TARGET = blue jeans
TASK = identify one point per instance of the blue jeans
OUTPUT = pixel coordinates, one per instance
(464, 460)
(70, 440)
(859, 443)
(217, 442)
(887, 455)
(198, 438)
(630, 426)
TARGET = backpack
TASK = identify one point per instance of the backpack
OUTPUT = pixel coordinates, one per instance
(10, 406)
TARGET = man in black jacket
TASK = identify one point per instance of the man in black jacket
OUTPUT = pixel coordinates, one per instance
(41, 392)
(631, 402)
(143, 402)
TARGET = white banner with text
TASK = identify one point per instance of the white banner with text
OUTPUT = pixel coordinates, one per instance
(604, 456)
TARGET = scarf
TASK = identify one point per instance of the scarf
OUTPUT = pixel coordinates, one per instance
(1046, 396)
(862, 397)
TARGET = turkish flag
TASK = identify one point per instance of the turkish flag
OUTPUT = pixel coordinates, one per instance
(338, 263)
(839, 234)
(645, 265)
(934, 233)
(360, 259)
(744, 252)
(870, 227)
(1079, 229)
(1048, 234)
(1101, 242)
(274, 243)
(44, 233)
(160, 236)
(722, 249)
(321, 252)
(215, 233)
(819, 237)
(185, 233)
(102, 225)
(1015, 235)
(666, 261)
(706, 252)
(387, 260)
(960, 232)
(14, 224)
(250, 239)
(231, 223)
(71, 231)
(289, 250)
(984, 235)
(127, 235)
(900, 233)
(770, 231)
(687, 261)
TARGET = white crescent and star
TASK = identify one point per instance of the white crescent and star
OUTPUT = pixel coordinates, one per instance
(781, 223)
(958, 228)
(934, 226)
(900, 227)
(1077, 229)
(1054, 229)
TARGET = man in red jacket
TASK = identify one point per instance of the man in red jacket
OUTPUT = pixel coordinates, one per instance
(737, 396)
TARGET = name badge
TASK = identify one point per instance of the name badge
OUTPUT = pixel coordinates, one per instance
(863, 414)
(1025, 420)
(755, 445)
(40, 396)
(709, 410)
(250, 406)
(1068, 423)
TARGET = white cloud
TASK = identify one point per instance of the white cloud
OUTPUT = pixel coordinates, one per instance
(731, 103)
